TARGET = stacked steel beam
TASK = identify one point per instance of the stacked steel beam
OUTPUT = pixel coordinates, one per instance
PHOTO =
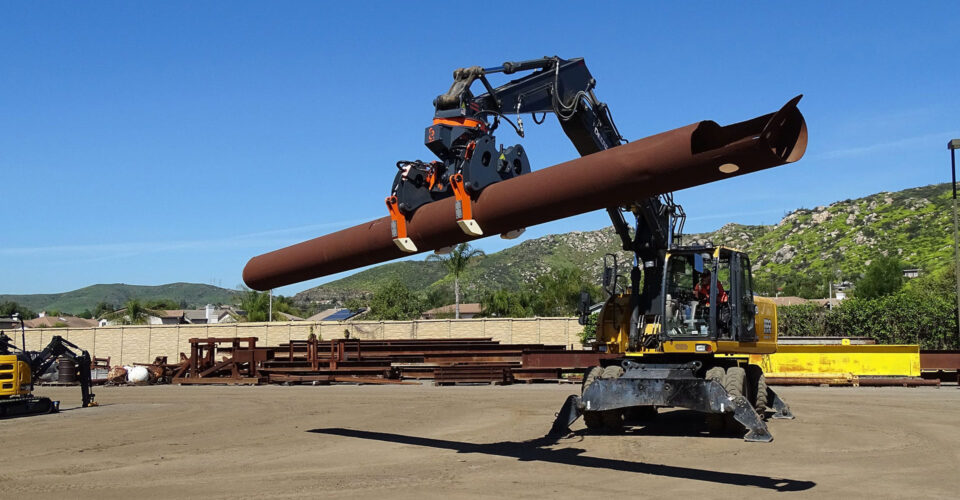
(446, 361)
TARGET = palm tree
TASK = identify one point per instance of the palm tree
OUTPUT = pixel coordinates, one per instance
(456, 263)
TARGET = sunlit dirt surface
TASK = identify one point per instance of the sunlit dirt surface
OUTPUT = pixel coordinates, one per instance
(467, 442)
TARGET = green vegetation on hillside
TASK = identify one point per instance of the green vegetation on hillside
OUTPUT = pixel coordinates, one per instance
(801, 255)
(185, 295)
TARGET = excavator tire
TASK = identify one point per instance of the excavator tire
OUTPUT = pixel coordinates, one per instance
(592, 419)
(612, 419)
(715, 421)
(761, 404)
(757, 389)
(735, 383)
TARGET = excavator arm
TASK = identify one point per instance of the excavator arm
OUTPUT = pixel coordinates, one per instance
(462, 137)
(566, 89)
(58, 347)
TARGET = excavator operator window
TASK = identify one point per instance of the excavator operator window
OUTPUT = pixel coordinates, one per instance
(685, 316)
(725, 324)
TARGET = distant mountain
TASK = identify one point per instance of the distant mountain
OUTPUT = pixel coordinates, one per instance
(192, 295)
(821, 243)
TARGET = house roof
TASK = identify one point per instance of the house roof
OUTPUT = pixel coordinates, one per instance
(827, 302)
(472, 308)
(290, 317)
(322, 314)
(789, 301)
(50, 321)
(345, 314)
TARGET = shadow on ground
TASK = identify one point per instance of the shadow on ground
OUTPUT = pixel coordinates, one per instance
(536, 450)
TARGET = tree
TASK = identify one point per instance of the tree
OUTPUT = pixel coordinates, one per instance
(8, 308)
(884, 276)
(558, 293)
(394, 301)
(456, 263)
(164, 304)
(354, 304)
(134, 313)
(257, 305)
(103, 308)
(506, 304)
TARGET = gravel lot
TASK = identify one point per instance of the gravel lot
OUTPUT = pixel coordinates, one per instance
(478, 441)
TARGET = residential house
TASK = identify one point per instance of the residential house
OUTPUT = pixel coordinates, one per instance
(340, 314)
(64, 320)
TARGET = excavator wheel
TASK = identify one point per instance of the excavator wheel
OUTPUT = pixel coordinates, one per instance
(612, 419)
(715, 421)
(592, 419)
(735, 383)
(757, 389)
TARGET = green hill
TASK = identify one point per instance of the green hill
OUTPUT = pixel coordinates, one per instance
(807, 248)
(192, 295)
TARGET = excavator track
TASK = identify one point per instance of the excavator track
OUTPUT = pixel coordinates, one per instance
(21, 407)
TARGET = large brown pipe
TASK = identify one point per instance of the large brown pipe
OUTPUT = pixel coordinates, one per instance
(690, 156)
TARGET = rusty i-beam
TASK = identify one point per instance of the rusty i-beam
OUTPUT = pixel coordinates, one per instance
(697, 154)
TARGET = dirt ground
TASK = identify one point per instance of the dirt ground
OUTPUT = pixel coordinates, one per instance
(467, 442)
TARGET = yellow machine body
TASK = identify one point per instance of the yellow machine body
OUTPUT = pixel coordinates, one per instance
(841, 361)
(15, 378)
(613, 330)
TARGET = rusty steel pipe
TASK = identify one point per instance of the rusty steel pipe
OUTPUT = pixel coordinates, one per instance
(685, 157)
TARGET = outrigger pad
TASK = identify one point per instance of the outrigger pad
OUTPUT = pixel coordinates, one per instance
(779, 405)
(568, 414)
(744, 413)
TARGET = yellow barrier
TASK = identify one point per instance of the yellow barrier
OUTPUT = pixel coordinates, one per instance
(841, 361)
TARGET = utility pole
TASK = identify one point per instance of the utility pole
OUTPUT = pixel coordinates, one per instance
(270, 307)
(952, 146)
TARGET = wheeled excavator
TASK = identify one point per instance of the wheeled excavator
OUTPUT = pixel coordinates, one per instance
(674, 349)
(19, 369)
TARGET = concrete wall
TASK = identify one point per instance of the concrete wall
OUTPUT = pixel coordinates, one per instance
(141, 344)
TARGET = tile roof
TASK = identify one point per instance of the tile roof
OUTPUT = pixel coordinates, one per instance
(50, 321)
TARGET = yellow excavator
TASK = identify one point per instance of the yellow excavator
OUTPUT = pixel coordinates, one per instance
(677, 349)
(685, 338)
(20, 368)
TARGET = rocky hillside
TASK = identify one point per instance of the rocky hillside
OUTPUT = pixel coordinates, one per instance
(816, 244)
(913, 224)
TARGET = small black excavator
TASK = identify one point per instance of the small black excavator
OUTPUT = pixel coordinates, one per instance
(19, 369)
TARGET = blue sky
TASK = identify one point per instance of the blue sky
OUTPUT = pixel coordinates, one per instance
(149, 143)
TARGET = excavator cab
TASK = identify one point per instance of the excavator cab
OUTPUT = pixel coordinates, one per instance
(708, 296)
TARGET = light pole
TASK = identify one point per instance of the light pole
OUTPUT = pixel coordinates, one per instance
(953, 145)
